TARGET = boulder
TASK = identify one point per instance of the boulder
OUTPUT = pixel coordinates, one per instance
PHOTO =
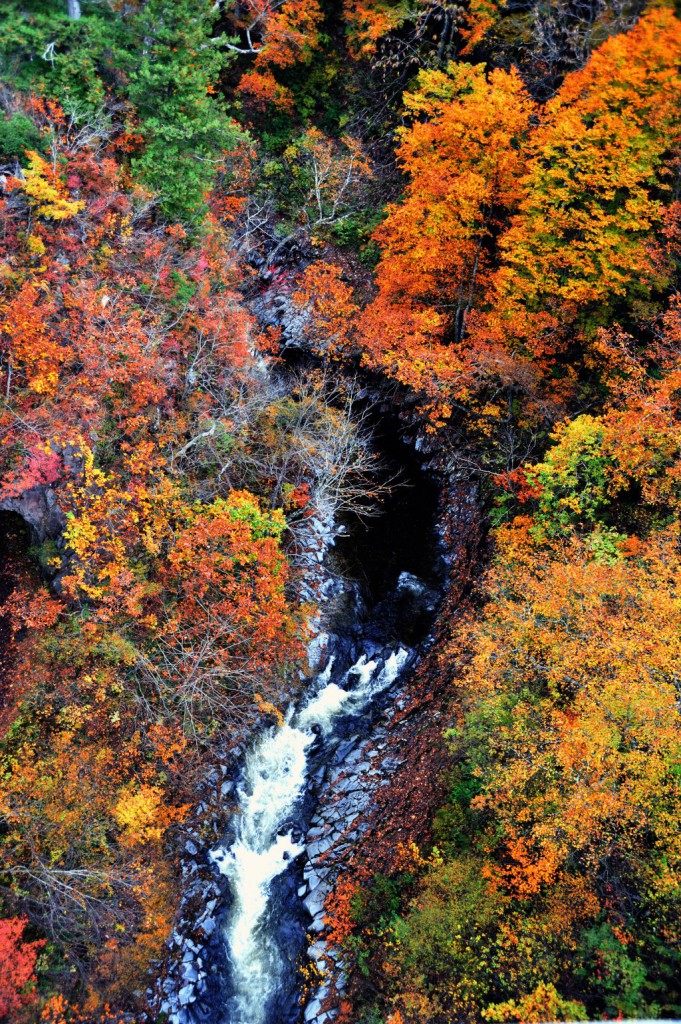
(38, 507)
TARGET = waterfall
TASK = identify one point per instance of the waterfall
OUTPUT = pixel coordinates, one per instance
(274, 779)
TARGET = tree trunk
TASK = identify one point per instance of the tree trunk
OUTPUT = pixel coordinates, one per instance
(73, 9)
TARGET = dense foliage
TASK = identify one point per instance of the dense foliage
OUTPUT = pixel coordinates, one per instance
(526, 298)
(485, 197)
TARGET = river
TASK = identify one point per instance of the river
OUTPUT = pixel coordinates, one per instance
(388, 571)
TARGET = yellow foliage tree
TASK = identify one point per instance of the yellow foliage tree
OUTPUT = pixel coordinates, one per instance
(46, 192)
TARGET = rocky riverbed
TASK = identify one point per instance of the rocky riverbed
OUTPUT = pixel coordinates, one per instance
(257, 872)
(359, 667)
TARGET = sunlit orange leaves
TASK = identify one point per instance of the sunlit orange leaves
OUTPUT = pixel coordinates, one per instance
(597, 175)
(464, 155)
(524, 229)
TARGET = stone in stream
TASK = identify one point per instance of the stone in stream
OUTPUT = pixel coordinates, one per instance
(352, 758)
(344, 748)
(314, 901)
(186, 995)
(190, 973)
(319, 922)
(313, 1008)
(310, 875)
(349, 785)
(317, 950)
(318, 847)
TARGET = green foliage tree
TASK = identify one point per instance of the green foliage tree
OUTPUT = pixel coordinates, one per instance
(172, 76)
(17, 134)
(160, 58)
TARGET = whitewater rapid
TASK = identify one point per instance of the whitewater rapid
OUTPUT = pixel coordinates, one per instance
(275, 776)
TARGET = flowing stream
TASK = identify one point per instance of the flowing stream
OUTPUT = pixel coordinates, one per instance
(375, 640)
(274, 779)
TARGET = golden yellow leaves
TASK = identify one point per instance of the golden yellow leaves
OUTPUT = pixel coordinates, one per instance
(266, 707)
(45, 190)
(138, 813)
(544, 1003)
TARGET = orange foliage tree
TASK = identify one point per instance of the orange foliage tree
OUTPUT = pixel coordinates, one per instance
(464, 155)
(17, 962)
(279, 34)
(582, 246)
(523, 230)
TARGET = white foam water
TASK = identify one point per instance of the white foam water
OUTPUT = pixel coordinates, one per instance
(274, 778)
(394, 664)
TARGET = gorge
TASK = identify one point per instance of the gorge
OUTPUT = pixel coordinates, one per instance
(381, 579)
(340, 511)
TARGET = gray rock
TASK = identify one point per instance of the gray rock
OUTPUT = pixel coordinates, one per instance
(186, 995)
(313, 1008)
(314, 901)
(318, 924)
(38, 507)
(316, 950)
(352, 759)
(190, 973)
(349, 785)
(319, 847)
